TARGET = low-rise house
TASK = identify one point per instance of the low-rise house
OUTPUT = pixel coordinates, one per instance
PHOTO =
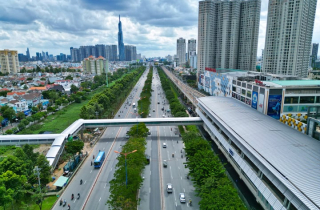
(33, 99)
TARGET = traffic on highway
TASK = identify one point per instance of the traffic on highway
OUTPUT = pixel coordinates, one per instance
(165, 185)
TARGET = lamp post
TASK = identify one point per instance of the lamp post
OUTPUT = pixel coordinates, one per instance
(125, 159)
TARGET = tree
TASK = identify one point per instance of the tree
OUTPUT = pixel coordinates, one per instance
(74, 88)
(35, 109)
(77, 99)
(141, 131)
(40, 106)
(21, 126)
(69, 77)
(30, 119)
(45, 173)
(9, 113)
(25, 87)
(73, 147)
(9, 131)
(58, 102)
(21, 115)
(25, 122)
(37, 116)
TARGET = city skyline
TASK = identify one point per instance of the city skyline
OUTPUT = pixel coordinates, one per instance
(94, 23)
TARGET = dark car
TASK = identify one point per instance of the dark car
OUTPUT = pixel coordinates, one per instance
(148, 159)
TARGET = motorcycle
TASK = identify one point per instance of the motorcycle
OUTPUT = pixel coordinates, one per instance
(72, 197)
(61, 202)
(78, 196)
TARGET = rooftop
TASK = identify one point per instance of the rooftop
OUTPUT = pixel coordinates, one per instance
(291, 156)
(285, 83)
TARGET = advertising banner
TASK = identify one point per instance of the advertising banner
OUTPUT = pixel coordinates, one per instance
(260, 103)
(248, 101)
(254, 100)
(238, 90)
(274, 106)
(207, 82)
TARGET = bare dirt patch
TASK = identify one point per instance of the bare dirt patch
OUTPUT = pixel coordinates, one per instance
(43, 149)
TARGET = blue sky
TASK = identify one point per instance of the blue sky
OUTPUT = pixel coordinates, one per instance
(152, 25)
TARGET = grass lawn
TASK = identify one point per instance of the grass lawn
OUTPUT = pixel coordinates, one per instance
(59, 121)
(30, 205)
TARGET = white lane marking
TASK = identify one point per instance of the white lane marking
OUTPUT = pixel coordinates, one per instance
(103, 148)
(85, 182)
(178, 167)
(176, 204)
(184, 190)
(99, 199)
(111, 169)
(90, 171)
(181, 177)
(150, 173)
(149, 189)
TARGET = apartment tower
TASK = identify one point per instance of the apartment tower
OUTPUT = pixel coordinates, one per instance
(181, 51)
(192, 47)
(288, 36)
(228, 34)
(9, 61)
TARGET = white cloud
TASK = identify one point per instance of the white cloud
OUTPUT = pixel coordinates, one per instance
(152, 25)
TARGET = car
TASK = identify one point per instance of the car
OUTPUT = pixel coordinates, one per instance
(163, 116)
(169, 188)
(149, 133)
(158, 102)
(148, 159)
(127, 136)
(182, 198)
(165, 164)
(149, 115)
(154, 110)
(164, 145)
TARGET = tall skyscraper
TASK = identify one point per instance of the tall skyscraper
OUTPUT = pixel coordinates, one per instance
(181, 51)
(228, 34)
(314, 54)
(28, 54)
(71, 51)
(100, 50)
(9, 61)
(114, 53)
(192, 46)
(120, 42)
(288, 37)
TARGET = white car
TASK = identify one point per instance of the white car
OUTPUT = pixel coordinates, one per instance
(164, 145)
(163, 116)
(182, 198)
(169, 188)
(149, 115)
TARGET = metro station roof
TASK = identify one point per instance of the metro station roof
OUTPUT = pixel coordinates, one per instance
(279, 147)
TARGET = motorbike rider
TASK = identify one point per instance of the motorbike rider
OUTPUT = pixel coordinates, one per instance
(78, 195)
(80, 181)
(72, 196)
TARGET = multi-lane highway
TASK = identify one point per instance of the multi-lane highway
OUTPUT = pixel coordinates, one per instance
(94, 191)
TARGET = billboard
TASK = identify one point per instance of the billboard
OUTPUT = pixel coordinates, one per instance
(260, 103)
(274, 106)
(201, 79)
(254, 99)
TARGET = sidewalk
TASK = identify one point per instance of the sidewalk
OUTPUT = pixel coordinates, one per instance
(9, 126)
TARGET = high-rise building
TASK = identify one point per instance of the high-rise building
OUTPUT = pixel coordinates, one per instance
(228, 34)
(181, 51)
(314, 54)
(28, 54)
(95, 65)
(288, 37)
(114, 53)
(71, 51)
(130, 52)
(192, 46)
(9, 61)
(100, 50)
(120, 42)
(75, 55)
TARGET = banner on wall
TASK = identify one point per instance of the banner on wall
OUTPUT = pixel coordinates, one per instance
(248, 101)
(207, 82)
(201, 79)
(260, 103)
(274, 106)
(254, 100)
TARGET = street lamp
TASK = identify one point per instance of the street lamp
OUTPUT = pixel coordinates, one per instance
(125, 159)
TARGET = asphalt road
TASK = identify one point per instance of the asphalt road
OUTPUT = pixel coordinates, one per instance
(95, 188)
(153, 192)
(94, 191)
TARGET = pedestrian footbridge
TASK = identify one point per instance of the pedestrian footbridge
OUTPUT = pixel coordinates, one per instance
(58, 140)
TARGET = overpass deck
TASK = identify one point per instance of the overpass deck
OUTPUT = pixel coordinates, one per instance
(58, 140)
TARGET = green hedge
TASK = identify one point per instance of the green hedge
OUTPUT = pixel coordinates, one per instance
(177, 109)
(144, 102)
(122, 196)
(103, 104)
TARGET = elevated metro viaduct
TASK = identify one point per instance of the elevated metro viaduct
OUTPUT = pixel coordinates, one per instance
(58, 140)
(280, 165)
